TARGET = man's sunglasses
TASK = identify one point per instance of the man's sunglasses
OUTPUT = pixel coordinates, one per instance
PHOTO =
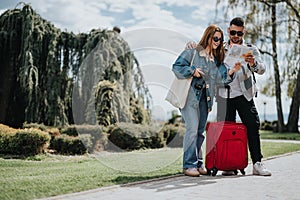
(239, 33)
(216, 39)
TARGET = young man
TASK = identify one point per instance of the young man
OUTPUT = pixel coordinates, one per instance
(241, 96)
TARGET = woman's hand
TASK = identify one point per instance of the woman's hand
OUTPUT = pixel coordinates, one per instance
(235, 68)
(198, 73)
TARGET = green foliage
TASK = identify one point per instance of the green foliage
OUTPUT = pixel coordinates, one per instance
(267, 125)
(104, 103)
(47, 72)
(264, 134)
(80, 139)
(269, 89)
(94, 137)
(291, 88)
(134, 136)
(24, 142)
(173, 134)
(70, 131)
(35, 125)
(69, 145)
(6, 130)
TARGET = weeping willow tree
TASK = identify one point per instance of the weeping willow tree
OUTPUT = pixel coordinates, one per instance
(57, 78)
(275, 26)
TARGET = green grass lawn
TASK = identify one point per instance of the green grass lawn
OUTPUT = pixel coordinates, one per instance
(53, 175)
(282, 136)
(50, 175)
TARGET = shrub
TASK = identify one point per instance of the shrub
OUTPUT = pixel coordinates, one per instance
(128, 136)
(25, 142)
(52, 131)
(35, 125)
(266, 125)
(124, 139)
(69, 130)
(69, 145)
(94, 137)
(173, 134)
(87, 141)
(97, 134)
(6, 129)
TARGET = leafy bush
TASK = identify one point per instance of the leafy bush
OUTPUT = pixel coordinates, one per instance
(173, 134)
(49, 129)
(124, 139)
(128, 136)
(6, 130)
(23, 141)
(69, 130)
(52, 131)
(70, 145)
(35, 125)
(96, 134)
(269, 126)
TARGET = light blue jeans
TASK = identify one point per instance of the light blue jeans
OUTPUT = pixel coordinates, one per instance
(195, 115)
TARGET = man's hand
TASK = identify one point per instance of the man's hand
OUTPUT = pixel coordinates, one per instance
(250, 59)
(190, 45)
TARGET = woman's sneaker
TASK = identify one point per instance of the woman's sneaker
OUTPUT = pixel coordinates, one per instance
(191, 172)
(260, 169)
(202, 170)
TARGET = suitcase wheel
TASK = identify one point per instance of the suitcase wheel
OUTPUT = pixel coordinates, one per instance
(235, 172)
(242, 171)
(208, 171)
(214, 171)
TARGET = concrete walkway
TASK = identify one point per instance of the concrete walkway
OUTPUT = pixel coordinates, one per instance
(283, 184)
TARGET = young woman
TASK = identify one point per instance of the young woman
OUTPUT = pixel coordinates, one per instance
(208, 71)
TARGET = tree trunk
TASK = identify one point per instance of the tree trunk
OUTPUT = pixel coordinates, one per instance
(276, 72)
(292, 125)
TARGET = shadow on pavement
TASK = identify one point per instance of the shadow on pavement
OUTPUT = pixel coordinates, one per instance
(179, 182)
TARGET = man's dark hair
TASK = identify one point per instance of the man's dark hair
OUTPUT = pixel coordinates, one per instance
(237, 21)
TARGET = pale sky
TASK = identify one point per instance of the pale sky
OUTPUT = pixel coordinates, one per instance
(156, 31)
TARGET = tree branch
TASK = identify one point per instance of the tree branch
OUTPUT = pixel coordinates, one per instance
(265, 52)
(295, 10)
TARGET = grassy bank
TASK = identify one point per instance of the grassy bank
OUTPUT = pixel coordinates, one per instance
(281, 136)
(49, 175)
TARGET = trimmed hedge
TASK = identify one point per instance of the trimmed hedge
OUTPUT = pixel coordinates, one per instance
(97, 136)
(24, 142)
(81, 139)
(69, 145)
(129, 136)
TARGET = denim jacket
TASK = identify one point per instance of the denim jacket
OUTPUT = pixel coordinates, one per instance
(214, 76)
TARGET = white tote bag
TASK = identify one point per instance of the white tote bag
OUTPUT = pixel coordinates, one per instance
(179, 89)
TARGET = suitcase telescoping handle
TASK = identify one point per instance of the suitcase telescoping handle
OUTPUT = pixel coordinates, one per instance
(228, 91)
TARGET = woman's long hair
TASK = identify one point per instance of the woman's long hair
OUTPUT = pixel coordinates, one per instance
(206, 40)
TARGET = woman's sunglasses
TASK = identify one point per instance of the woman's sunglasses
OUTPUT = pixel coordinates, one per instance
(216, 39)
(239, 33)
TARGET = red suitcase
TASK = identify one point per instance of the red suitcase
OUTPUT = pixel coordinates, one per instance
(226, 147)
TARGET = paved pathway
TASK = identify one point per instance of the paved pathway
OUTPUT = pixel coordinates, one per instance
(283, 184)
